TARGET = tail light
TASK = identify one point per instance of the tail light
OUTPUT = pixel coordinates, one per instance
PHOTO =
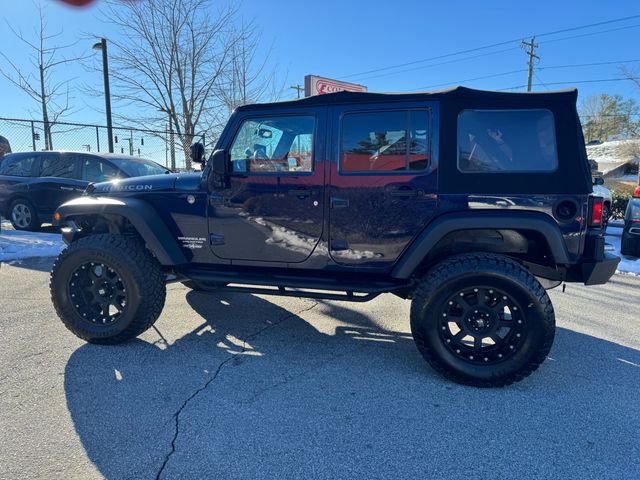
(595, 212)
(636, 192)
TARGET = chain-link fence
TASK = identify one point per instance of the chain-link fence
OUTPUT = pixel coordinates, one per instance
(162, 146)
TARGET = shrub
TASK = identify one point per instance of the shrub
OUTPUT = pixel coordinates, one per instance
(619, 202)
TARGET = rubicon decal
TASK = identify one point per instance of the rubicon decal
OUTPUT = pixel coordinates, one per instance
(127, 188)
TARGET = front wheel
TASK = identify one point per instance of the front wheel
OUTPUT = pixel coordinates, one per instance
(107, 288)
(482, 320)
(23, 215)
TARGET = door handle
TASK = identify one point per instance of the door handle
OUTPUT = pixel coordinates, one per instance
(66, 188)
(404, 192)
(337, 202)
(299, 192)
(215, 199)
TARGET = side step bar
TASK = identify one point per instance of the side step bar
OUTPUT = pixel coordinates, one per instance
(288, 286)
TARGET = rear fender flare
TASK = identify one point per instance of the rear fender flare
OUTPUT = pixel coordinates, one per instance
(478, 220)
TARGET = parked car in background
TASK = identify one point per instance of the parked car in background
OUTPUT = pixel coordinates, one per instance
(34, 184)
(605, 193)
(631, 234)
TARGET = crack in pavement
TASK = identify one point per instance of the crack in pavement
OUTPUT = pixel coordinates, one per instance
(215, 375)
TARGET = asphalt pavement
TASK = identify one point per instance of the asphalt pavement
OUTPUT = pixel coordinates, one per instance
(240, 386)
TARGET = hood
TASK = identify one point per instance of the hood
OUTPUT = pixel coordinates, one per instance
(150, 183)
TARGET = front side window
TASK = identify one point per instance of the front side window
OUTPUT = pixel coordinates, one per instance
(57, 166)
(95, 170)
(17, 165)
(136, 167)
(274, 145)
(506, 141)
(386, 142)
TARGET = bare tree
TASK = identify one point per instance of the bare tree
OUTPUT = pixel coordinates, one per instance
(174, 57)
(631, 74)
(247, 79)
(38, 82)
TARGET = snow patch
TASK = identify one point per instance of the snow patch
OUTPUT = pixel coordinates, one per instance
(627, 265)
(16, 245)
(609, 155)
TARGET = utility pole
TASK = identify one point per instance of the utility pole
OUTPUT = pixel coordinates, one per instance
(102, 45)
(298, 89)
(532, 45)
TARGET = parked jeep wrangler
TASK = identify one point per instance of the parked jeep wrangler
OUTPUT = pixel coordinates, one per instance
(468, 203)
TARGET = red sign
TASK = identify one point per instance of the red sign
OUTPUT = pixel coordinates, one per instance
(319, 86)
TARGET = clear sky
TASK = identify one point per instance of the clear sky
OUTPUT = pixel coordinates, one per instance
(343, 39)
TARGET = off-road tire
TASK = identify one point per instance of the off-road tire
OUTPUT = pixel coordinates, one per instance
(32, 222)
(436, 292)
(141, 278)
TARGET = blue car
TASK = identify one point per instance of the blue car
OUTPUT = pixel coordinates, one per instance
(34, 184)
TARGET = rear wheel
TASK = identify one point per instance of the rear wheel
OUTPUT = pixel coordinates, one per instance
(482, 320)
(23, 215)
(107, 288)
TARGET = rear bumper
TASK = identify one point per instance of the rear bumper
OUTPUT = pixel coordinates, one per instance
(597, 266)
(597, 273)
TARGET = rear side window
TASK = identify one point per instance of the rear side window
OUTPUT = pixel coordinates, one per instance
(385, 142)
(17, 165)
(506, 141)
(57, 166)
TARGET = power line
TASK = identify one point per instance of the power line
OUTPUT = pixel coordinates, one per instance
(465, 80)
(476, 49)
(595, 64)
(570, 83)
(590, 34)
(458, 82)
(463, 59)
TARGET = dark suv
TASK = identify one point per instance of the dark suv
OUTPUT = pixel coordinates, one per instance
(34, 184)
(468, 203)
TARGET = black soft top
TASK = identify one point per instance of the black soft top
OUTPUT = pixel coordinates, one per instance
(570, 96)
(572, 176)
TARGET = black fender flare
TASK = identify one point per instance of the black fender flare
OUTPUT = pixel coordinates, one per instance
(139, 213)
(477, 220)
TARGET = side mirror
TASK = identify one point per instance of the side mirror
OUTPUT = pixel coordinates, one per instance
(197, 153)
(219, 163)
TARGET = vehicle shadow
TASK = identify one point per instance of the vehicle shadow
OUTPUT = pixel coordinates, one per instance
(264, 393)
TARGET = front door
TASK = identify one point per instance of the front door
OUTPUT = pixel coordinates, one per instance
(383, 181)
(272, 210)
(58, 183)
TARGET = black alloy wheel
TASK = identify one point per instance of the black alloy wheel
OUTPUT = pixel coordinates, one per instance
(482, 325)
(98, 293)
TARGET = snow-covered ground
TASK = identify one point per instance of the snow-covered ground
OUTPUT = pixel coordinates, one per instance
(627, 265)
(611, 155)
(15, 245)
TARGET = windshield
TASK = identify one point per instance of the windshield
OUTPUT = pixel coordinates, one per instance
(138, 167)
